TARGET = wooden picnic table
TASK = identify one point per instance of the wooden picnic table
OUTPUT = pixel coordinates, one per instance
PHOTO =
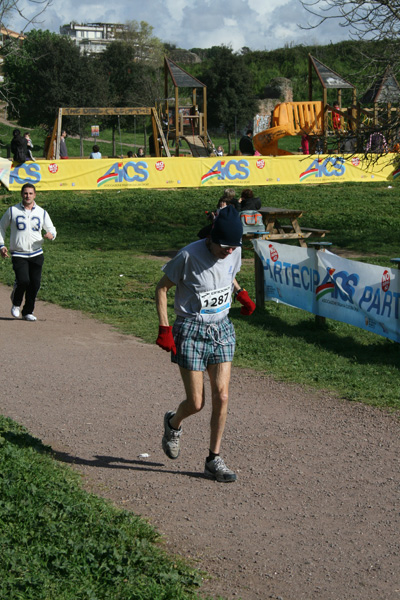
(275, 229)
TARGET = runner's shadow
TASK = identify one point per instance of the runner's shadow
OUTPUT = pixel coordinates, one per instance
(24, 440)
(113, 462)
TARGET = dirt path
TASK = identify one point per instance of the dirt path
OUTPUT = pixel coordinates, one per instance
(315, 511)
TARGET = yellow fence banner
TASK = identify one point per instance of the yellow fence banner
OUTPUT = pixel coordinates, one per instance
(187, 172)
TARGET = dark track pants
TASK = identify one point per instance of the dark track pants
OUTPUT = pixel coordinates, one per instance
(28, 274)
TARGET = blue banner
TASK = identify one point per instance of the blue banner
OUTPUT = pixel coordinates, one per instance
(322, 283)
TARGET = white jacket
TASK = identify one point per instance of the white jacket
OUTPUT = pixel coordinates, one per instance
(26, 229)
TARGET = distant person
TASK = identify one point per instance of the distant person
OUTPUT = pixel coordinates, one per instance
(246, 144)
(29, 145)
(152, 145)
(140, 153)
(63, 145)
(336, 120)
(305, 144)
(220, 151)
(96, 152)
(228, 197)
(26, 221)
(376, 143)
(248, 201)
(349, 145)
(130, 154)
(19, 147)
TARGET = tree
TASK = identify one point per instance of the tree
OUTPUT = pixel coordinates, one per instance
(49, 72)
(129, 82)
(229, 91)
(8, 10)
(145, 46)
(378, 20)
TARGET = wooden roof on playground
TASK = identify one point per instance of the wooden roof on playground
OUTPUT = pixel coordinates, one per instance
(180, 77)
(384, 89)
(328, 78)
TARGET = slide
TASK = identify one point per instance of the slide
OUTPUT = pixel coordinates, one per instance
(196, 145)
(289, 118)
(266, 142)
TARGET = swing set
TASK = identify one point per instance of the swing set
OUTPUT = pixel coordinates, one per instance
(160, 144)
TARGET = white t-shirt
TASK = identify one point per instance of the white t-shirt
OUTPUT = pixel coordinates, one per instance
(203, 282)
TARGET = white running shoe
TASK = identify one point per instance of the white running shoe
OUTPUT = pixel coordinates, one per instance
(15, 311)
(29, 318)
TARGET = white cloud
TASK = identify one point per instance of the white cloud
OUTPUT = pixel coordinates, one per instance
(258, 24)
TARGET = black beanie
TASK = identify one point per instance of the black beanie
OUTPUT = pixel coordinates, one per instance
(227, 228)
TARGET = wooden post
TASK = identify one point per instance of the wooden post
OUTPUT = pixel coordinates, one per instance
(325, 123)
(375, 113)
(358, 128)
(205, 126)
(177, 132)
(59, 123)
(354, 110)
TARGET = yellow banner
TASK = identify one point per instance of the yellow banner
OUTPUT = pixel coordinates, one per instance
(105, 174)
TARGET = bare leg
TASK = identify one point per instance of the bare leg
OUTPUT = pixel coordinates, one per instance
(219, 378)
(193, 382)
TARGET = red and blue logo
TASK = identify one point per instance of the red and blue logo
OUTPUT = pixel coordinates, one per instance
(231, 170)
(331, 166)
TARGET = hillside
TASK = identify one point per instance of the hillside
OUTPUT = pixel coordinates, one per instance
(350, 59)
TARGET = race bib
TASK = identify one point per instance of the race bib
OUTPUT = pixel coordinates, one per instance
(215, 301)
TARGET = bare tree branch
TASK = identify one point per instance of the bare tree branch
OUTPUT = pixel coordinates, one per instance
(379, 19)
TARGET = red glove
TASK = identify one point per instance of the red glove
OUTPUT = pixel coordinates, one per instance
(165, 339)
(248, 305)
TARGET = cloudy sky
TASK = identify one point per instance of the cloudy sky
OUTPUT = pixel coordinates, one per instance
(258, 24)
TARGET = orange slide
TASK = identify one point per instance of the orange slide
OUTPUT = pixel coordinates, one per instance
(289, 118)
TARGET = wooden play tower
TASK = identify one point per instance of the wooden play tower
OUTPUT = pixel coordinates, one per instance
(185, 121)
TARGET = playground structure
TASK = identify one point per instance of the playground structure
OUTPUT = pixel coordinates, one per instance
(170, 120)
(53, 144)
(318, 120)
(187, 121)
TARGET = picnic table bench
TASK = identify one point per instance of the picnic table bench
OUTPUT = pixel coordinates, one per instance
(276, 230)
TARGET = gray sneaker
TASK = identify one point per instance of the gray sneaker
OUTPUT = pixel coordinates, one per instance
(171, 441)
(217, 469)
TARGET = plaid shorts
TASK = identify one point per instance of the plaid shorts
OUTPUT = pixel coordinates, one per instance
(200, 344)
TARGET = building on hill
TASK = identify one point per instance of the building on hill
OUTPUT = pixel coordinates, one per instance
(92, 37)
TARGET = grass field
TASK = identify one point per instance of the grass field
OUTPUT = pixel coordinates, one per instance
(111, 246)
